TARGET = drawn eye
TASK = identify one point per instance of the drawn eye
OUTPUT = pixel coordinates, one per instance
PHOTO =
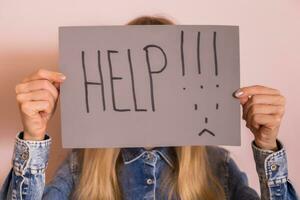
(196, 106)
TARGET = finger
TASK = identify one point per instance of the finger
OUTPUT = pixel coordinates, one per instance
(253, 90)
(263, 109)
(38, 95)
(275, 100)
(243, 100)
(37, 85)
(250, 123)
(32, 108)
(269, 121)
(45, 74)
(57, 85)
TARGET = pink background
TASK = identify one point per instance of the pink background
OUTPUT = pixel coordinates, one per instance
(270, 46)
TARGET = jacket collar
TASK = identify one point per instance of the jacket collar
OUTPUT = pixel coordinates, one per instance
(131, 154)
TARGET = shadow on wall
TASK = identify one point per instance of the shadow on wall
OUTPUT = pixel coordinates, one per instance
(14, 67)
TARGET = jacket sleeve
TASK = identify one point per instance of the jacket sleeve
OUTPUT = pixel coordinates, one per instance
(26, 180)
(272, 171)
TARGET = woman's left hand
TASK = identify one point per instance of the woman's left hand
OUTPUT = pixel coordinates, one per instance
(263, 109)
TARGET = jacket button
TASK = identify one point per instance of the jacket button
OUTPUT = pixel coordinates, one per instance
(149, 181)
(25, 155)
(274, 167)
(149, 157)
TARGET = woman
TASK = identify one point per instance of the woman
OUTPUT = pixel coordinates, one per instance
(188, 173)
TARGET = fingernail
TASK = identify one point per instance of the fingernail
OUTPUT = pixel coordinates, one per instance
(238, 93)
(63, 77)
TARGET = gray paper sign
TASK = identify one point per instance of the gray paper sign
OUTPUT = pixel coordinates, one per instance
(149, 85)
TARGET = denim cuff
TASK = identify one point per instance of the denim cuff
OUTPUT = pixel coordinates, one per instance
(30, 156)
(271, 165)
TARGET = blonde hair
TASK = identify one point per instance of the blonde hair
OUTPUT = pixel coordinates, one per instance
(191, 178)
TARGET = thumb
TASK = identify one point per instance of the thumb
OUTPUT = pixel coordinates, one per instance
(57, 85)
(239, 95)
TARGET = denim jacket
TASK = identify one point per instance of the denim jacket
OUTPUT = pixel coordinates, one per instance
(140, 173)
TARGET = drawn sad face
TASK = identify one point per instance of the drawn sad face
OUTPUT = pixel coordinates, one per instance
(216, 73)
(205, 130)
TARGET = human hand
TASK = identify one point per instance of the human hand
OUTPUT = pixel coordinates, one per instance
(37, 96)
(263, 110)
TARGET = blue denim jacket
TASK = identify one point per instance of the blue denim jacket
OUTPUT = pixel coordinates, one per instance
(140, 173)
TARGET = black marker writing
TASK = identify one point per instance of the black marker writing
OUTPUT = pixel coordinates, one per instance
(182, 53)
(154, 72)
(215, 53)
(112, 78)
(151, 69)
(87, 83)
(198, 53)
(206, 131)
(132, 82)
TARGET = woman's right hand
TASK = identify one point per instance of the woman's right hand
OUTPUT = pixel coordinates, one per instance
(37, 96)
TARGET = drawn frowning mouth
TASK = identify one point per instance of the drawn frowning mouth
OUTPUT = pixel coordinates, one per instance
(206, 131)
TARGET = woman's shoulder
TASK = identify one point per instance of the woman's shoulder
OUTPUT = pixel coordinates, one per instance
(66, 176)
(217, 154)
(218, 160)
(71, 164)
(74, 161)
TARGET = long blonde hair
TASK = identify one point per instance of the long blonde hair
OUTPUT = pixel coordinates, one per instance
(191, 178)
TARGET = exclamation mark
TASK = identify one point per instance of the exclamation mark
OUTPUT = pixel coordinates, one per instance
(215, 53)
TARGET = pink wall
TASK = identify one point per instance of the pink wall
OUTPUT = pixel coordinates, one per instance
(270, 46)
